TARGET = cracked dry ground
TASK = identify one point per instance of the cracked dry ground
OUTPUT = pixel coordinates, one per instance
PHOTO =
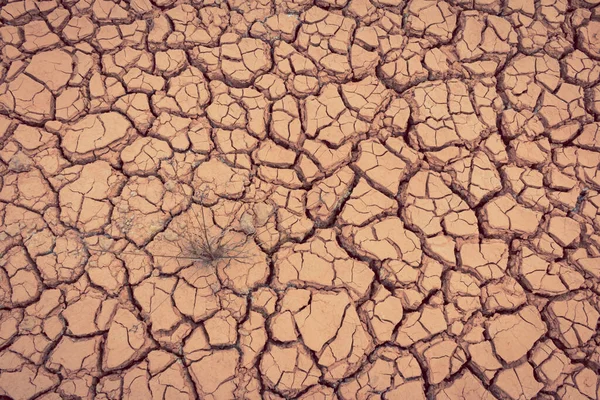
(415, 186)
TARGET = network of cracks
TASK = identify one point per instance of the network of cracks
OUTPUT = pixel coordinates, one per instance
(269, 199)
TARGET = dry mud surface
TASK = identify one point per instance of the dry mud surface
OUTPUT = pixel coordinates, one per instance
(346, 199)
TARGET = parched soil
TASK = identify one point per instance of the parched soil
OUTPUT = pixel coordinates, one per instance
(328, 199)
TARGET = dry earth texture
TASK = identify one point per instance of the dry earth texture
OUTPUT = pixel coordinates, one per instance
(269, 199)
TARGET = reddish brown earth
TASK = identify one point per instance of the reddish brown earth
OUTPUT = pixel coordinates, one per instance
(406, 195)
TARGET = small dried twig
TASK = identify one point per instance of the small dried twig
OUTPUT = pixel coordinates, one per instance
(202, 243)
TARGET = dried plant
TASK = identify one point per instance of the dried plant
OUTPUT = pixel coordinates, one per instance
(210, 244)
(199, 238)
